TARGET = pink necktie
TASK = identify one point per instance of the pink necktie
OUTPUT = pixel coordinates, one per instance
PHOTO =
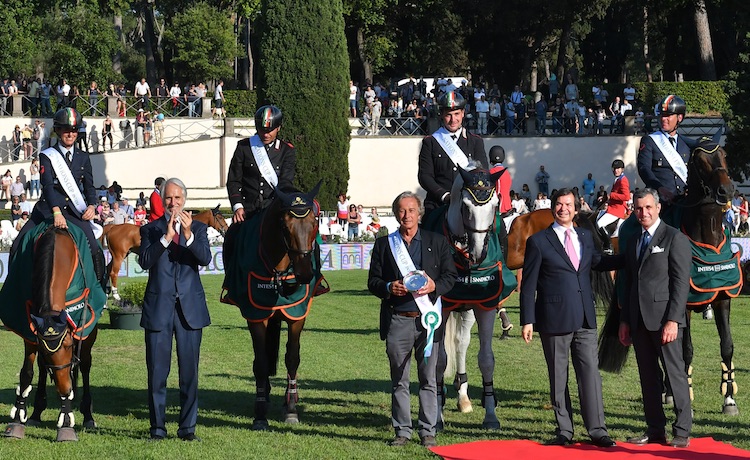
(569, 249)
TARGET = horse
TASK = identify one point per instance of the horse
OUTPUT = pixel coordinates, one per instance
(709, 192)
(272, 278)
(121, 239)
(61, 334)
(469, 225)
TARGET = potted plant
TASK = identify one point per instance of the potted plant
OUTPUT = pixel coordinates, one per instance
(126, 312)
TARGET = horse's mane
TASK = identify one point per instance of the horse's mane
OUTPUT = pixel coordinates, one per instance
(41, 277)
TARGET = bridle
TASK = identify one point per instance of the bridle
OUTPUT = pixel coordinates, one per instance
(709, 195)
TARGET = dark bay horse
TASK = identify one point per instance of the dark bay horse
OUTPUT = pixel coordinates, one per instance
(274, 276)
(121, 239)
(710, 191)
(63, 347)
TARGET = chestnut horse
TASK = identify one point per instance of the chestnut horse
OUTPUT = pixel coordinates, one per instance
(121, 239)
(55, 263)
(710, 190)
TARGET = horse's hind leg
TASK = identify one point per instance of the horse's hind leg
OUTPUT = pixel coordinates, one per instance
(87, 405)
(291, 397)
(486, 357)
(19, 412)
(260, 371)
(728, 385)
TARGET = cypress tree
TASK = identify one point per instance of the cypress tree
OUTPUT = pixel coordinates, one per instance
(304, 70)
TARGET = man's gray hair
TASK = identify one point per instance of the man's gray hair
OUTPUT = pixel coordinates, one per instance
(407, 194)
(644, 192)
(175, 181)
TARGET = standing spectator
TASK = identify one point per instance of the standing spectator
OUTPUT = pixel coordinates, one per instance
(107, 133)
(62, 90)
(162, 93)
(34, 96)
(541, 115)
(615, 113)
(370, 95)
(143, 92)
(28, 148)
(542, 179)
(37, 133)
(122, 95)
(74, 95)
(158, 126)
(45, 93)
(119, 216)
(200, 93)
(483, 110)
(558, 113)
(172, 249)
(17, 138)
(589, 189)
(219, 101)
(629, 93)
(141, 199)
(174, 93)
(639, 121)
(147, 129)
(83, 140)
(554, 87)
(353, 219)
(571, 90)
(353, 91)
(496, 115)
(4, 97)
(393, 258)
(342, 206)
(156, 207)
(526, 194)
(517, 95)
(557, 266)
(377, 111)
(34, 191)
(93, 99)
(510, 116)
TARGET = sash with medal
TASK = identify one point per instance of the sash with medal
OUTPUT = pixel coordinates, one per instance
(670, 153)
(457, 156)
(263, 162)
(70, 186)
(414, 280)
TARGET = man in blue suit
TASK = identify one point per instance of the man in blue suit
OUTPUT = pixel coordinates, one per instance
(557, 299)
(172, 249)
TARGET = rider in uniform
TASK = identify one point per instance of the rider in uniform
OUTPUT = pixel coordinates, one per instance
(617, 204)
(446, 149)
(75, 205)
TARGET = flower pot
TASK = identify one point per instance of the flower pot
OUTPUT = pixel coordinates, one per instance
(129, 321)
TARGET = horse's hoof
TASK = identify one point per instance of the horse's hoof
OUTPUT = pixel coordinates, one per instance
(66, 434)
(730, 409)
(667, 400)
(504, 336)
(260, 425)
(33, 422)
(291, 418)
(90, 425)
(464, 404)
(439, 426)
(15, 431)
(491, 425)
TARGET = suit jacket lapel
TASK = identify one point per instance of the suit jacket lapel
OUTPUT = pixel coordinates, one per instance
(657, 238)
(555, 242)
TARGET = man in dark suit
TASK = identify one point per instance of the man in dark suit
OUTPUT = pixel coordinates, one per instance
(653, 317)
(172, 249)
(557, 299)
(663, 155)
(402, 311)
(68, 202)
(446, 149)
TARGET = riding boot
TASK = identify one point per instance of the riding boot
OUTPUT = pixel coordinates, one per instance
(100, 270)
(606, 240)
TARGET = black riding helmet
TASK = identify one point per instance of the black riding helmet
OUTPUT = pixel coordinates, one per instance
(497, 154)
(268, 117)
(672, 105)
(67, 118)
(618, 164)
(452, 100)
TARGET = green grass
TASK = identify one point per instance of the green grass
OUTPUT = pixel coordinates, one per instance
(344, 390)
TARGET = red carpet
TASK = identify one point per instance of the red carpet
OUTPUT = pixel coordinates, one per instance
(700, 449)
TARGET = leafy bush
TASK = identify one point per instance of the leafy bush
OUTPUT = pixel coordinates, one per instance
(240, 103)
(131, 296)
(701, 97)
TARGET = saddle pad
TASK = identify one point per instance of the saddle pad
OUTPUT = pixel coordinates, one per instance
(85, 298)
(714, 270)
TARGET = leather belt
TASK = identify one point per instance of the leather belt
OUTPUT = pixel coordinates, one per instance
(408, 314)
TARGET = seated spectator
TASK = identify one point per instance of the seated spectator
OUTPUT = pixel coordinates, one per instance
(542, 202)
(374, 226)
(584, 205)
(119, 216)
(519, 204)
(22, 221)
(15, 209)
(17, 188)
(139, 215)
(6, 182)
(105, 216)
(127, 208)
(25, 205)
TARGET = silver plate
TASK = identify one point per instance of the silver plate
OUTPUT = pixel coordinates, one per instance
(415, 281)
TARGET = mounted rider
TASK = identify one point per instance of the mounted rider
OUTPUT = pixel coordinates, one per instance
(445, 150)
(68, 193)
(617, 204)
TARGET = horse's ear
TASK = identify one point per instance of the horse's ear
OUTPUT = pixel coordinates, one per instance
(497, 174)
(465, 175)
(314, 192)
(284, 197)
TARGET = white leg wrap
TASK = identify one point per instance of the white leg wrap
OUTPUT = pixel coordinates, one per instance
(26, 392)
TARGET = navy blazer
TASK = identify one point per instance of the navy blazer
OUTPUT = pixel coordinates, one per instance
(437, 171)
(53, 193)
(173, 275)
(556, 297)
(655, 170)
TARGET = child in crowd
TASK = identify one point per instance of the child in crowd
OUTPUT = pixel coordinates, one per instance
(139, 216)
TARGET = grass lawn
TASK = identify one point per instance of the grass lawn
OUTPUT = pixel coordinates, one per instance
(344, 390)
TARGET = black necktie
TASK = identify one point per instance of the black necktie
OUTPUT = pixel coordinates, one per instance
(673, 141)
(453, 136)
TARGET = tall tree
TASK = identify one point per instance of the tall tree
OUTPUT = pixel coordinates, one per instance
(738, 141)
(304, 69)
(706, 65)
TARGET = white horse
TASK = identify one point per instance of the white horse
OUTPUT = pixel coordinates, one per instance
(469, 221)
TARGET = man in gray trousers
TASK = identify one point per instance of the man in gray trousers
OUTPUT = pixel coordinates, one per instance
(409, 270)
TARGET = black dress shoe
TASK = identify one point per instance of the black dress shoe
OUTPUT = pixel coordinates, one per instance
(559, 440)
(680, 441)
(604, 441)
(646, 438)
(399, 441)
(156, 437)
(191, 437)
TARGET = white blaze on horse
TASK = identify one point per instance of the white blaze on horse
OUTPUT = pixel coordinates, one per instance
(469, 225)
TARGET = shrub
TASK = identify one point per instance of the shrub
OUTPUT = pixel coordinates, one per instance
(131, 296)
(240, 103)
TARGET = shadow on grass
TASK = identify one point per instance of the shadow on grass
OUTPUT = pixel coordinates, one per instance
(348, 292)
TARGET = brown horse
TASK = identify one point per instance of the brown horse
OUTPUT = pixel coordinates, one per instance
(55, 262)
(710, 190)
(121, 239)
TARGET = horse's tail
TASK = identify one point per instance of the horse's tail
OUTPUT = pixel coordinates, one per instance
(612, 354)
(273, 341)
(603, 287)
(449, 341)
(41, 277)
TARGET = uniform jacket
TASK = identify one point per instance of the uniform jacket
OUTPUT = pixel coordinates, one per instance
(437, 171)
(156, 206)
(658, 287)
(556, 297)
(654, 168)
(173, 274)
(618, 197)
(245, 184)
(503, 187)
(437, 262)
(53, 193)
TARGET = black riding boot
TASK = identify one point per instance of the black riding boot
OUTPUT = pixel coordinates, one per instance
(606, 240)
(100, 270)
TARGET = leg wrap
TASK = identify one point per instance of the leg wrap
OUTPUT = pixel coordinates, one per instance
(66, 418)
(690, 381)
(489, 391)
(291, 391)
(459, 380)
(19, 408)
(503, 315)
(728, 385)
(441, 395)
